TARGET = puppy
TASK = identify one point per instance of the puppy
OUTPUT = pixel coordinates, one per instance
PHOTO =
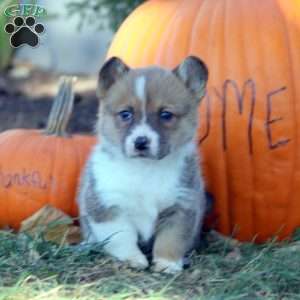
(142, 180)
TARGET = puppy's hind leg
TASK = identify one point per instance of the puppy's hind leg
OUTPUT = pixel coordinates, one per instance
(121, 241)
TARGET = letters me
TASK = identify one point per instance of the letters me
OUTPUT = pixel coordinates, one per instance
(249, 86)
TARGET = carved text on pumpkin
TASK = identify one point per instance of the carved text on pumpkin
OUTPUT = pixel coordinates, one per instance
(22, 178)
(240, 95)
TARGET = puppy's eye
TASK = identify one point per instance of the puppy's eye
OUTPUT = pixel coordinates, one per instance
(166, 116)
(126, 115)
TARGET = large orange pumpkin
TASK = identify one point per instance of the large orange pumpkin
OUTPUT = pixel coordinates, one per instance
(41, 167)
(250, 118)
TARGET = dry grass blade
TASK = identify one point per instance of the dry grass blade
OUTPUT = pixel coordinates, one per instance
(34, 268)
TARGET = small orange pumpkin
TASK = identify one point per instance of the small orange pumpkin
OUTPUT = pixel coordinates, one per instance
(250, 118)
(42, 167)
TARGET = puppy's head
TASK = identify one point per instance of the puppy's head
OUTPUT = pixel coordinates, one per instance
(150, 112)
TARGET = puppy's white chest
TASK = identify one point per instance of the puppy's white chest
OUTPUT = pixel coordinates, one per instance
(141, 188)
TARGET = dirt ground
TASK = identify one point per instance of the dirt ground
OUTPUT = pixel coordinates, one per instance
(26, 97)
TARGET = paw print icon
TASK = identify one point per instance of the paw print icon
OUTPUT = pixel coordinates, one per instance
(24, 31)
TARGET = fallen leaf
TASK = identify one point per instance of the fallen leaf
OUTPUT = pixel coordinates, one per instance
(33, 256)
(5, 228)
(196, 274)
(55, 225)
(216, 236)
(235, 254)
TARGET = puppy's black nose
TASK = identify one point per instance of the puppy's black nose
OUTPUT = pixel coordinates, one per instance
(141, 143)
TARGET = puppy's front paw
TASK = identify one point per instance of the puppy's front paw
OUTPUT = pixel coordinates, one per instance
(130, 255)
(139, 261)
(167, 266)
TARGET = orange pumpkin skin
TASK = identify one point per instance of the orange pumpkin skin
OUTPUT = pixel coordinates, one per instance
(35, 170)
(250, 117)
(38, 169)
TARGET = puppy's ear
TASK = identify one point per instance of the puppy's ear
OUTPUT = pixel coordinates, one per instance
(110, 72)
(194, 74)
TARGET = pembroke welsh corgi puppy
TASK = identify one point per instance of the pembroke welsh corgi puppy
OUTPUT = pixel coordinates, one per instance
(142, 180)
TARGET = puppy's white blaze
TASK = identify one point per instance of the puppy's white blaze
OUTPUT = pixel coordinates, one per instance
(142, 130)
(140, 88)
(140, 92)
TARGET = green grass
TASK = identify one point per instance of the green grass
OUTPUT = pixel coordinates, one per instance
(5, 47)
(31, 268)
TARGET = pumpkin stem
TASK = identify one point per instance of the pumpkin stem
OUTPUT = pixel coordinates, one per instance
(62, 108)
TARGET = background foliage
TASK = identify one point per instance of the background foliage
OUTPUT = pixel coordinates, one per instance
(6, 49)
(102, 13)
